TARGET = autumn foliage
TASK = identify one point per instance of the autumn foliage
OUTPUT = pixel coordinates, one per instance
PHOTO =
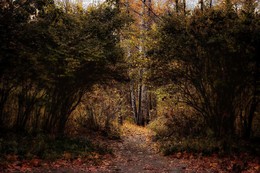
(101, 86)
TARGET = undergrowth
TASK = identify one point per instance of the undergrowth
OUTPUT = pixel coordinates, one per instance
(207, 146)
(45, 147)
(173, 138)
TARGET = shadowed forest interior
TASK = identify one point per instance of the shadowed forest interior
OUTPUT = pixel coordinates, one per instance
(176, 77)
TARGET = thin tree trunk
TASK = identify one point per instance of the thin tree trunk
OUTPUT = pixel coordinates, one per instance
(184, 7)
(127, 6)
(4, 94)
(133, 102)
(140, 90)
(254, 104)
(177, 6)
(148, 107)
(248, 125)
(67, 108)
(202, 5)
(144, 105)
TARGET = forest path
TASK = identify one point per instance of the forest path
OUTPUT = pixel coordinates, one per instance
(137, 153)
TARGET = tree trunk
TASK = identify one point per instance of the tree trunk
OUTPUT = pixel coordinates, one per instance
(127, 6)
(4, 94)
(177, 6)
(254, 104)
(144, 107)
(133, 102)
(140, 94)
(248, 125)
(184, 7)
(201, 5)
(69, 104)
(147, 106)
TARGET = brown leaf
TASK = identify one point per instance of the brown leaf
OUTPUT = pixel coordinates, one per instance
(257, 167)
(36, 162)
(178, 155)
(213, 165)
(11, 157)
(92, 169)
(148, 167)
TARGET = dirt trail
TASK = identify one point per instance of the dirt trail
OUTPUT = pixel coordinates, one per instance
(136, 153)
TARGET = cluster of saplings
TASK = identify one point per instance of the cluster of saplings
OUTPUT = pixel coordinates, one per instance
(51, 56)
(210, 59)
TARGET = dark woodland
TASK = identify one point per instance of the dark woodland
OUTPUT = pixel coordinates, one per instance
(130, 86)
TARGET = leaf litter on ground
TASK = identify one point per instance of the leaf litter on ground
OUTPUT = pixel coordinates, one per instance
(135, 152)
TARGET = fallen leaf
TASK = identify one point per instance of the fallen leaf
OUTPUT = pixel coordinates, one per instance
(178, 155)
(213, 165)
(36, 162)
(92, 169)
(11, 157)
(148, 167)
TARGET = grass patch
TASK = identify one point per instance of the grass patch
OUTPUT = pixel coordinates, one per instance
(46, 147)
(208, 146)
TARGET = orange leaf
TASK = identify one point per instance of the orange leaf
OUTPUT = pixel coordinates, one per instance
(36, 162)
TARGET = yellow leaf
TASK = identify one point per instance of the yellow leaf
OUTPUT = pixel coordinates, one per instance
(67, 155)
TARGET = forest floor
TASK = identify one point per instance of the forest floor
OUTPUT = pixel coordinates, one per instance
(136, 152)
